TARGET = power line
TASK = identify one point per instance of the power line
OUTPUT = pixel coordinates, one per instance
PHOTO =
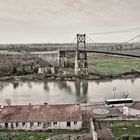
(116, 31)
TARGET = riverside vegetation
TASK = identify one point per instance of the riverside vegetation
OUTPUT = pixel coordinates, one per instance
(99, 66)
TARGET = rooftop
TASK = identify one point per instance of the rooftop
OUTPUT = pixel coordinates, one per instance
(41, 113)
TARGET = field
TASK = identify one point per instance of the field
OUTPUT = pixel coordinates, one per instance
(106, 65)
(120, 128)
(110, 66)
(25, 135)
(55, 135)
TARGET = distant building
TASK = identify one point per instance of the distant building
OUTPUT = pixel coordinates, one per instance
(41, 117)
(46, 70)
(43, 70)
(132, 110)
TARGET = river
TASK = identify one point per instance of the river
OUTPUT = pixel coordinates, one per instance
(67, 91)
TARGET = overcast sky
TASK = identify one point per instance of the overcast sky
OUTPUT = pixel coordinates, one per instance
(26, 21)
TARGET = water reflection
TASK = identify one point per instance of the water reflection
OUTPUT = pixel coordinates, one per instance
(111, 80)
(3, 85)
(46, 87)
(85, 90)
(29, 84)
(15, 84)
(81, 90)
(67, 91)
(77, 88)
(62, 85)
(132, 80)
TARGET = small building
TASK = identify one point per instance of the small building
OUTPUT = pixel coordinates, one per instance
(41, 117)
(50, 70)
(132, 110)
(43, 70)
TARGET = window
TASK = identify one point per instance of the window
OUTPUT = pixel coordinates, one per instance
(39, 124)
(68, 124)
(6, 125)
(49, 124)
(75, 123)
(23, 124)
(31, 124)
(54, 123)
(16, 124)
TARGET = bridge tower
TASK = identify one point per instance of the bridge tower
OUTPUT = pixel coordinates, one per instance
(81, 67)
(62, 59)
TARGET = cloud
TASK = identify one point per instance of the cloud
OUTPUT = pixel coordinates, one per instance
(50, 18)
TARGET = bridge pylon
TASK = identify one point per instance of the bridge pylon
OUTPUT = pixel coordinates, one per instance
(62, 59)
(81, 66)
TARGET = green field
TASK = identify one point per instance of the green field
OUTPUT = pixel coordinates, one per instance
(106, 65)
(120, 128)
(25, 135)
(36, 135)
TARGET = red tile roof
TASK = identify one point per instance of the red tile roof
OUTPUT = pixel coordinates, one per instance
(41, 113)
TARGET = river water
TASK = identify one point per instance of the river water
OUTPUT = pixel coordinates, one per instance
(67, 91)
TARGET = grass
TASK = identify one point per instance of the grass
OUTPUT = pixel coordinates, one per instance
(106, 65)
(120, 128)
(26, 135)
(112, 66)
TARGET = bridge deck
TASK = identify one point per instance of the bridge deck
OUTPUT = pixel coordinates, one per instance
(103, 52)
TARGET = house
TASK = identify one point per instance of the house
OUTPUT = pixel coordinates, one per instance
(132, 110)
(46, 70)
(41, 117)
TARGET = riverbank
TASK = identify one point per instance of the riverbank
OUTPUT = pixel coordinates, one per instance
(46, 77)
(100, 67)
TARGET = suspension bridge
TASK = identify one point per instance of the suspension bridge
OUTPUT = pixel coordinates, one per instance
(85, 45)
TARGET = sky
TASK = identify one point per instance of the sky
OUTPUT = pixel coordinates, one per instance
(58, 21)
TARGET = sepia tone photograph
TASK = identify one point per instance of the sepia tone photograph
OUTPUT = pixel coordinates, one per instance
(69, 70)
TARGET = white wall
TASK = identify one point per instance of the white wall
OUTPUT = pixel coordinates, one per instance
(125, 110)
(130, 111)
(59, 125)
